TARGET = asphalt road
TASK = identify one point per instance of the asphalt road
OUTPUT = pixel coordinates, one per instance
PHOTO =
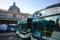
(9, 36)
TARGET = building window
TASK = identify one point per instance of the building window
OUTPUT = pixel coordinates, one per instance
(14, 15)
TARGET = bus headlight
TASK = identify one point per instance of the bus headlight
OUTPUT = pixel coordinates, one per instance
(17, 32)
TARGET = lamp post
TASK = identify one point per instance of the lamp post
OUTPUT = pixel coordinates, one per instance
(40, 14)
(41, 26)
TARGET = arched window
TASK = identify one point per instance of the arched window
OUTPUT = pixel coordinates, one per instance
(14, 15)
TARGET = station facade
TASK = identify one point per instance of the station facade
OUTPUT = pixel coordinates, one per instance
(12, 15)
(9, 18)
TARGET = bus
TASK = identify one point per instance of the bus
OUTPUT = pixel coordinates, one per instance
(42, 28)
(23, 31)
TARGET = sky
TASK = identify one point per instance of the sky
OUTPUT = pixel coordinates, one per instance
(27, 6)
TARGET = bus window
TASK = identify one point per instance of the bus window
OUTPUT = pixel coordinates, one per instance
(50, 27)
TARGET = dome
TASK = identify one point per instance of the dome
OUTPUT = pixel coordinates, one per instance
(14, 7)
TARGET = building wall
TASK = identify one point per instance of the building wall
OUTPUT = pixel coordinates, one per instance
(13, 14)
(50, 11)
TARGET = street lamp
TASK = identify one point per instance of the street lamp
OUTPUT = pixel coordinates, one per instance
(39, 15)
(41, 24)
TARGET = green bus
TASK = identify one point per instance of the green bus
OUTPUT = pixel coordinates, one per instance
(42, 28)
(23, 31)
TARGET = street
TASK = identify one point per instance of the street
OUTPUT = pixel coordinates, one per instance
(8, 36)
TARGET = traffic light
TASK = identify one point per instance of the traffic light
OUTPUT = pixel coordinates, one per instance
(29, 23)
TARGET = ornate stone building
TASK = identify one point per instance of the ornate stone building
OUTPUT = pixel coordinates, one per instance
(13, 14)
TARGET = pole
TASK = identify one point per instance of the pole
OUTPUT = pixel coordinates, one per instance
(41, 29)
